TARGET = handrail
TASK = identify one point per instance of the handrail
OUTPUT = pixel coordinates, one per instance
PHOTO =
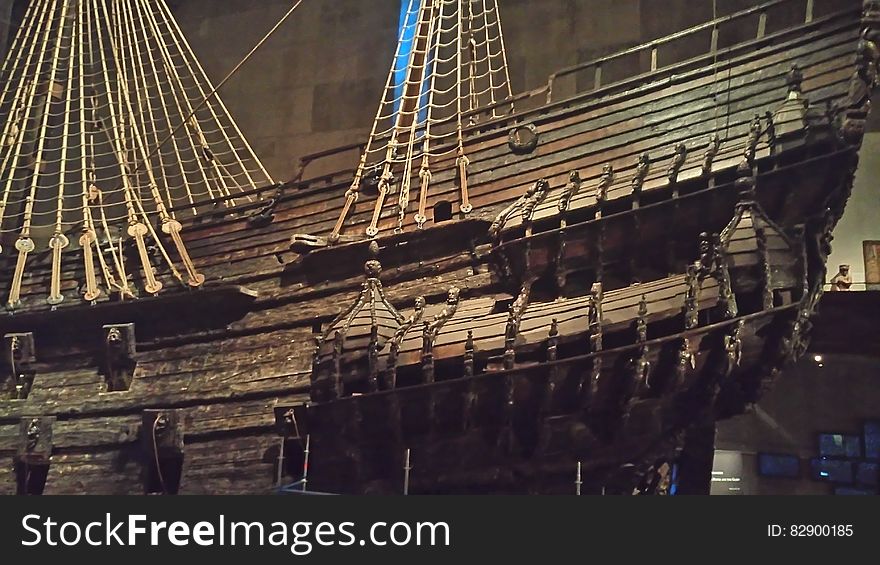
(655, 43)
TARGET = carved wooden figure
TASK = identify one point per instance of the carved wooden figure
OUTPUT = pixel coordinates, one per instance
(17, 377)
(119, 356)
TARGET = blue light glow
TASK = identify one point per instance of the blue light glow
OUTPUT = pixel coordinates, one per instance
(407, 26)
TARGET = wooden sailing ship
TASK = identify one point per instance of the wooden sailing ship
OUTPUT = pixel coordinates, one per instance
(568, 281)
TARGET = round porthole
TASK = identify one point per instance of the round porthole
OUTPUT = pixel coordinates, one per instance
(523, 139)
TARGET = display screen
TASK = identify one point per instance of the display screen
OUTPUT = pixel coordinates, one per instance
(775, 465)
(840, 445)
(866, 473)
(832, 470)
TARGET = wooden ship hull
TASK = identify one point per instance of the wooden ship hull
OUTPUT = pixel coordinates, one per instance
(645, 266)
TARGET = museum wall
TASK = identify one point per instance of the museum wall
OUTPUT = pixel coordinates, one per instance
(861, 221)
(5, 24)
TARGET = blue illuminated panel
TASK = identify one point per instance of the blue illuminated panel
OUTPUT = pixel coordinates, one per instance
(832, 470)
(840, 445)
(774, 465)
(872, 440)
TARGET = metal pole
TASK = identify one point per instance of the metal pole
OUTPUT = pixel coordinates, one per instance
(305, 479)
(406, 469)
(280, 462)
(577, 481)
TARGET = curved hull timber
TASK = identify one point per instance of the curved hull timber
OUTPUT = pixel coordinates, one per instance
(515, 410)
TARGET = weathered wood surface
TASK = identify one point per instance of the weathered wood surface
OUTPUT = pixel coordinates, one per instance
(581, 137)
(227, 379)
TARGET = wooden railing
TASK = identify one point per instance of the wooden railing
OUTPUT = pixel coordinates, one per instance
(652, 51)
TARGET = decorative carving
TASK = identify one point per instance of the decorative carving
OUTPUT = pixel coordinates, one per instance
(794, 78)
(452, 299)
(787, 126)
(372, 310)
(771, 129)
(373, 359)
(709, 255)
(469, 355)
(864, 80)
(678, 159)
(752, 142)
(691, 309)
(427, 355)
(18, 377)
(686, 362)
(35, 440)
(842, 280)
(594, 318)
(711, 153)
(432, 329)
(33, 454)
(712, 263)
(641, 367)
(570, 190)
(553, 341)
(514, 319)
(643, 166)
(642, 320)
(525, 204)
(536, 195)
(119, 356)
(397, 339)
(338, 390)
(605, 181)
(766, 272)
(733, 346)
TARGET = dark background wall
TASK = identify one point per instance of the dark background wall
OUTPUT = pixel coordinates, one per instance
(5, 24)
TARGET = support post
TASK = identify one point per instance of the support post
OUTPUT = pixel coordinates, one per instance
(696, 460)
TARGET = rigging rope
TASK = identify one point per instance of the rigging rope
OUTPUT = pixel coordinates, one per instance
(88, 87)
(457, 63)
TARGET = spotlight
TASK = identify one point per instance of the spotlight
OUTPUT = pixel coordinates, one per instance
(817, 358)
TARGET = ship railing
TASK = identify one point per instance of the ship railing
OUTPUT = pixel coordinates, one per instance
(790, 13)
(685, 49)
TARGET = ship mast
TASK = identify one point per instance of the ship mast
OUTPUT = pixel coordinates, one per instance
(450, 61)
(109, 131)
